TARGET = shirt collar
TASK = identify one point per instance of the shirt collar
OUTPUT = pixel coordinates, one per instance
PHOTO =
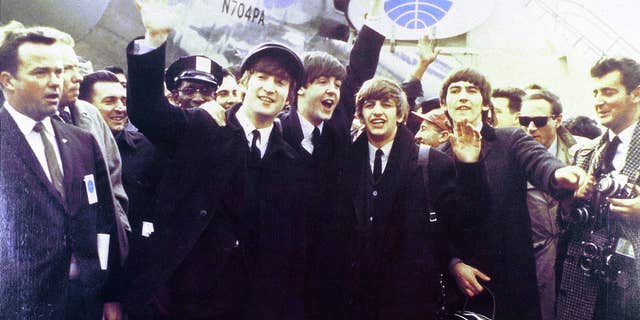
(307, 127)
(248, 127)
(624, 136)
(553, 148)
(385, 150)
(25, 123)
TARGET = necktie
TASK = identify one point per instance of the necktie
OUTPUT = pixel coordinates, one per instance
(609, 153)
(65, 116)
(315, 140)
(52, 162)
(377, 165)
(255, 152)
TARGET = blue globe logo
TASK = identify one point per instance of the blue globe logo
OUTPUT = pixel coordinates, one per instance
(416, 14)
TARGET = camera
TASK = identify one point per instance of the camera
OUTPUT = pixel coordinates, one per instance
(603, 254)
(606, 257)
(614, 185)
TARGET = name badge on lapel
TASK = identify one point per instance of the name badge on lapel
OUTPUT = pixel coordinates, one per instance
(90, 186)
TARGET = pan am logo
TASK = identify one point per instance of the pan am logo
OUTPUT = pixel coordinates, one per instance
(416, 14)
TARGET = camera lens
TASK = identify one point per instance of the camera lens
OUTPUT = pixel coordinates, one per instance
(586, 264)
(580, 214)
(590, 250)
(607, 186)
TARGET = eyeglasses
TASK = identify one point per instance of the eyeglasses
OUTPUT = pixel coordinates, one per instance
(205, 91)
(538, 121)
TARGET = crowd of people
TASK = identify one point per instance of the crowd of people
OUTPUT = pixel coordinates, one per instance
(294, 187)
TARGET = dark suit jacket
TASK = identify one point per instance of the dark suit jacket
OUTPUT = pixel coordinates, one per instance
(323, 293)
(500, 242)
(251, 255)
(397, 253)
(40, 230)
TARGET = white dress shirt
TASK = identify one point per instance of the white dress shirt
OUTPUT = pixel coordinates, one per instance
(307, 133)
(623, 148)
(385, 155)
(26, 124)
(248, 128)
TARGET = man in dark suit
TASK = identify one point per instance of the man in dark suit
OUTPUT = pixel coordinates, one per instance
(498, 247)
(141, 164)
(318, 128)
(83, 115)
(56, 209)
(397, 250)
(229, 242)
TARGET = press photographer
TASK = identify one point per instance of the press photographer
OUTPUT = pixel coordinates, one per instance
(600, 267)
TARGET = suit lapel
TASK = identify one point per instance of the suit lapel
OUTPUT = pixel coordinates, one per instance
(16, 141)
(359, 171)
(632, 162)
(488, 138)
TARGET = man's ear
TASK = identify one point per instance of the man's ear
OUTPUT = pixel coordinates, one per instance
(444, 136)
(558, 120)
(635, 95)
(7, 81)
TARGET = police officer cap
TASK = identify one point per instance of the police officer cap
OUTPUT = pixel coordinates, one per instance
(198, 68)
(291, 60)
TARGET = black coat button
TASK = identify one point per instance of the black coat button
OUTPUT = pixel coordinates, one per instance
(203, 213)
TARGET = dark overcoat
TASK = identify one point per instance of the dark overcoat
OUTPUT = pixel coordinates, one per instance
(252, 229)
(324, 249)
(500, 243)
(397, 253)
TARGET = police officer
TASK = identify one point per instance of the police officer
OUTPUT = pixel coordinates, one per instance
(193, 80)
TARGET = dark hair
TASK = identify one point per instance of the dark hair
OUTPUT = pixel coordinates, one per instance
(321, 64)
(554, 101)
(114, 69)
(235, 70)
(380, 88)
(478, 79)
(513, 94)
(86, 86)
(226, 72)
(275, 67)
(583, 126)
(629, 69)
(12, 42)
(534, 86)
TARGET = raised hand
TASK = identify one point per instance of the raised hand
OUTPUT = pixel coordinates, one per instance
(427, 52)
(159, 19)
(466, 142)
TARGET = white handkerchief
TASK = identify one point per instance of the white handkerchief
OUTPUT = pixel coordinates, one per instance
(103, 250)
(147, 229)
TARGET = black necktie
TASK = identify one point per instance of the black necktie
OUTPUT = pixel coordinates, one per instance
(377, 165)
(52, 162)
(65, 116)
(315, 140)
(255, 152)
(609, 153)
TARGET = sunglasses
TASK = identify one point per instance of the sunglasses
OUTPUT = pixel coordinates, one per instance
(538, 121)
(205, 91)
